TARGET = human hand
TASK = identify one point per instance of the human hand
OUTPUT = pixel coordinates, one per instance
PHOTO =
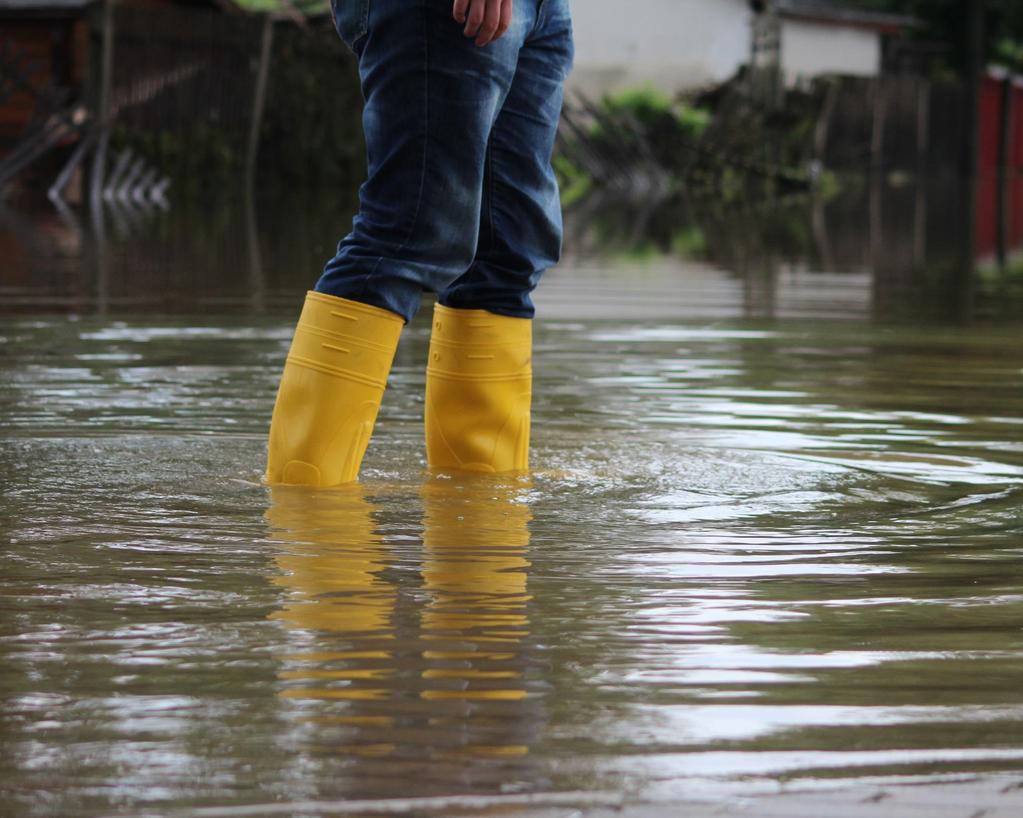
(486, 20)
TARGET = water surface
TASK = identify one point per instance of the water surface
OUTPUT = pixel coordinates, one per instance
(767, 542)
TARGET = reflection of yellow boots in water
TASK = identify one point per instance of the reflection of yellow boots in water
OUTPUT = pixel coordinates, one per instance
(330, 560)
(478, 391)
(330, 391)
(475, 538)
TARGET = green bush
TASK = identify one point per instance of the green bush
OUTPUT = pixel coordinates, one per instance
(312, 128)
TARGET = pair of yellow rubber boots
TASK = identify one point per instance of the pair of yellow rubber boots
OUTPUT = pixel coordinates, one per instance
(478, 391)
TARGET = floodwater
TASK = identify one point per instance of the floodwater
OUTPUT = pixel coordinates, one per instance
(771, 539)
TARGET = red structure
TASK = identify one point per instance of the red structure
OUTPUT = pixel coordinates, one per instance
(48, 43)
(1000, 166)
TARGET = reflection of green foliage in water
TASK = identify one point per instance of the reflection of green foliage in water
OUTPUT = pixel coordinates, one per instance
(1001, 287)
(201, 160)
(689, 242)
(712, 230)
(574, 183)
(639, 251)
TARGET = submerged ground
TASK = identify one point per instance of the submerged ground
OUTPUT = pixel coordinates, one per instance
(770, 548)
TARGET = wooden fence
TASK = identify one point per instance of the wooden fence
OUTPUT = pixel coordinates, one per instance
(193, 95)
(201, 94)
(891, 122)
(185, 80)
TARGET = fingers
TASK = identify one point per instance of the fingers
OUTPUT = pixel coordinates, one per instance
(474, 17)
(506, 17)
(502, 21)
(486, 20)
(491, 20)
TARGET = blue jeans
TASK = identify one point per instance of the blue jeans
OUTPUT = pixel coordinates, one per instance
(461, 198)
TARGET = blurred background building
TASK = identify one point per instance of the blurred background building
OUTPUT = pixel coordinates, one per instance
(677, 45)
(682, 114)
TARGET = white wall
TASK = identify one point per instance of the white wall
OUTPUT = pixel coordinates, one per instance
(677, 45)
(668, 44)
(811, 49)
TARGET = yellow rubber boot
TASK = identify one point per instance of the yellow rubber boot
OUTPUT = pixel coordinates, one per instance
(478, 391)
(330, 391)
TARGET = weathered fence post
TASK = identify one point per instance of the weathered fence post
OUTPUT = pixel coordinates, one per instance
(923, 123)
(881, 91)
(259, 101)
(1004, 162)
(975, 16)
(920, 224)
(923, 148)
(823, 129)
(102, 112)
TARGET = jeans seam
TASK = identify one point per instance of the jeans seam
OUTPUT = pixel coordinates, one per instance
(490, 188)
(426, 141)
(537, 21)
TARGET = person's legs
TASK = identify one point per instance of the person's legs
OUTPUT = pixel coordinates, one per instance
(432, 98)
(479, 378)
(520, 226)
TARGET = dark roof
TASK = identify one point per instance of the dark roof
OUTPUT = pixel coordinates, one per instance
(44, 7)
(827, 11)
(224, 5)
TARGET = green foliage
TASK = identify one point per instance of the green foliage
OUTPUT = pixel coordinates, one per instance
(573, 182)
(646, 104)
(1008, 52)
(689, 242)
(1001, 286)
(308, 7)
(260, 5)
(200, 160)
(312, 128)
(694, 121)
(653, 109)
(311, 132)
(946, 21)
(729, 153)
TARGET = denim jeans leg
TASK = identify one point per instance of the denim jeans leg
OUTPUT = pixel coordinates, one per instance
(521, 228)
(431, 100)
